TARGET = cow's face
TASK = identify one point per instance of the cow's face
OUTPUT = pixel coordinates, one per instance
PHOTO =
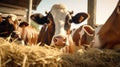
(79, 34)
(18, 32)
(60, 19)
(11, 23)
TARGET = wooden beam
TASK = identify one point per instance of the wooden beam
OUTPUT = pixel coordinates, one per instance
(11, 6)
(6, 10)
(29, 11)
(20, 3)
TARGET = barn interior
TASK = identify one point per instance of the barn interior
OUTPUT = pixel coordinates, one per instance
(18, 55)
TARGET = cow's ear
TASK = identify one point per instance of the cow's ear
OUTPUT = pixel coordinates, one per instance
(23, 24)
(88, 29)
(79, 17)
(39, 18)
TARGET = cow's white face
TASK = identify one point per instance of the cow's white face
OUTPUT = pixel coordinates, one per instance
(60, 17)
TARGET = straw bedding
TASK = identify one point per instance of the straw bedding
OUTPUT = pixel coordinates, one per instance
(18, 55)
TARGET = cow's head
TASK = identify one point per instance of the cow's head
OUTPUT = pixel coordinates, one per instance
(7, 25)
(59, 19)
(80, 34)
(18, 32)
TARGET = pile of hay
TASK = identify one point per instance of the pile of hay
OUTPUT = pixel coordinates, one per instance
(16, 55)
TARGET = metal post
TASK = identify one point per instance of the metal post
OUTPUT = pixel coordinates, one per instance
(29, 11)
(92, 12)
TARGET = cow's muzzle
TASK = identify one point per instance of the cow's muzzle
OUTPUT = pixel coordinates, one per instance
(60, 41)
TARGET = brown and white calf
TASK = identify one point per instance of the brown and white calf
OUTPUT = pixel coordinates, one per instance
(80, 35)
(26, 33)
(109, 34)
(57, 24)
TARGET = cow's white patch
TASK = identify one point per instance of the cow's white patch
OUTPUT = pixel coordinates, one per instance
(81, 34)
(59, 16)
(14, 17)
(96, 41)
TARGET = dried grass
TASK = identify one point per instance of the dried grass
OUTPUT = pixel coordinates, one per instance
(17, 55)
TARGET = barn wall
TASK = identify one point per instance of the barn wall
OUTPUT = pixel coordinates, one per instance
(21, 13)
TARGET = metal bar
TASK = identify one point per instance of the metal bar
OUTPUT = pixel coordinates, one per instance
(92, 19)
(92, 12)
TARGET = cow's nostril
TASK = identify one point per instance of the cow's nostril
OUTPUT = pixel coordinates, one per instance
(65, 39)
(55, 40)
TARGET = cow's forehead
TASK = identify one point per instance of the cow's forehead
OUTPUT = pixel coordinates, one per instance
(59, 8)
(59, 12)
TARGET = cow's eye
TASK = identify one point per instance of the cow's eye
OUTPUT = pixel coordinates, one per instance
(67, 23)
(49, 18)
(70, 20)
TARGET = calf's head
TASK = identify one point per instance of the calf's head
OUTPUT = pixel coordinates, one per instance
(59, 21)
(19, 31)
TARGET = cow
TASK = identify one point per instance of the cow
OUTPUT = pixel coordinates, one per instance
(80, 34)
(109, 34)
(26, 33)
(7, 25)
(56, 26)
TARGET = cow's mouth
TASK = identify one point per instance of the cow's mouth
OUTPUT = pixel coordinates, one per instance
(59, 46)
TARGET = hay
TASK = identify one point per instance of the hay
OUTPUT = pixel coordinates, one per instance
(16, 55)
